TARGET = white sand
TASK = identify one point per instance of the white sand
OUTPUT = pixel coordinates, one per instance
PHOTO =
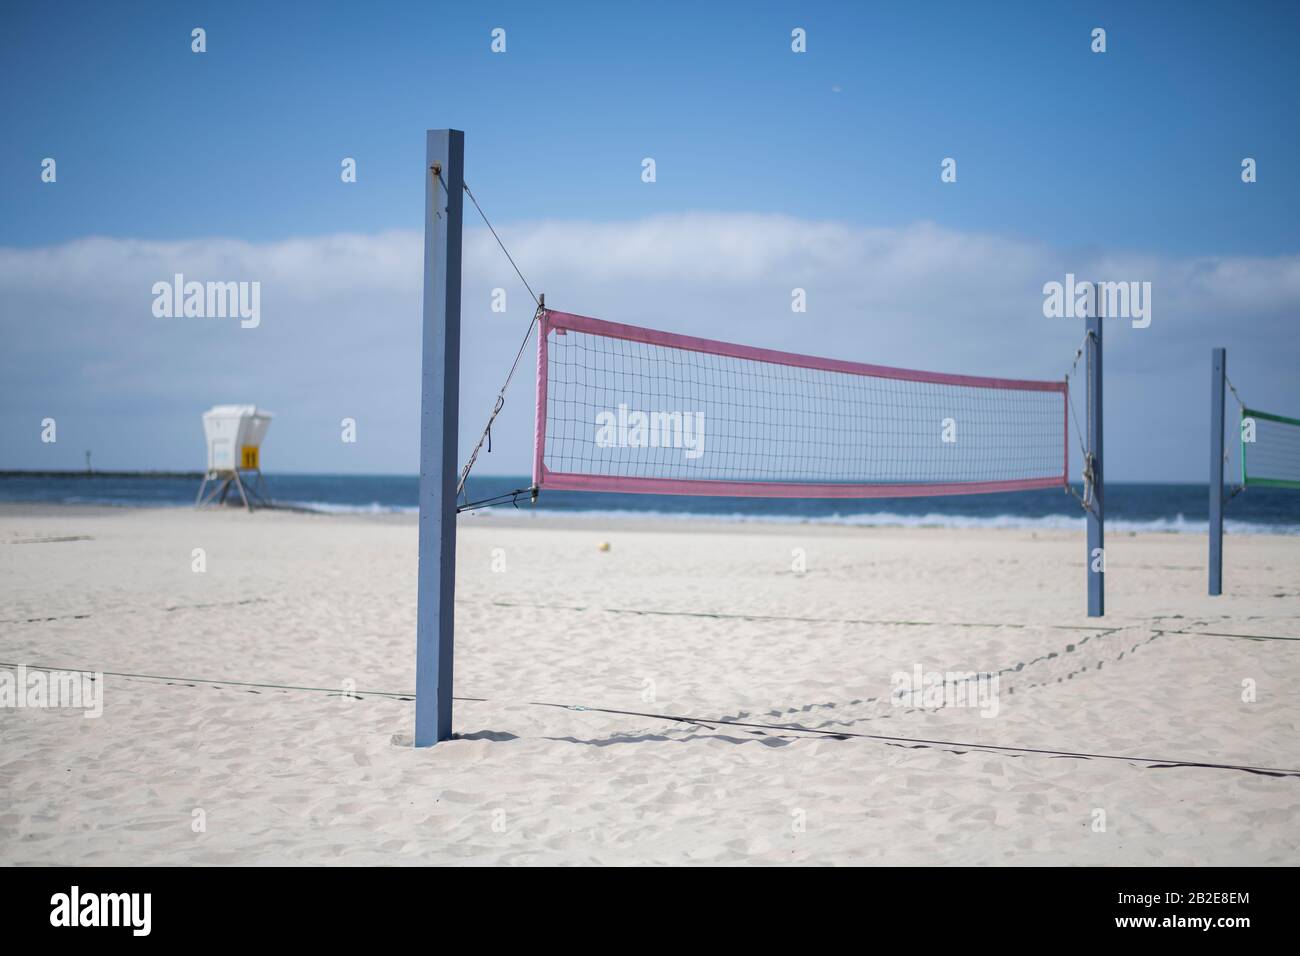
(284, 776)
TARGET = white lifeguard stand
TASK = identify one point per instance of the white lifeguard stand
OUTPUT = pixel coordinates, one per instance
(234, 435)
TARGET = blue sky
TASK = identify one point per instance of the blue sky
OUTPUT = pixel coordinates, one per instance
(1129, 158)
(241, 141)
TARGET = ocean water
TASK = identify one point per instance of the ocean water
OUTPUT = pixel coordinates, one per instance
(1129, 507)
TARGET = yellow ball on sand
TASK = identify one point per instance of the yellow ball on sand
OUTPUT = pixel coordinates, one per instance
(603, 546)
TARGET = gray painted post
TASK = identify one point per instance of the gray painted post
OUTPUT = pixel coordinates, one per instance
(1218, 371)
(1096, 515)
(444, 179)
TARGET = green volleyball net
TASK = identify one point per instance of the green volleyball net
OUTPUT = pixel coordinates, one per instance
(1270, 450)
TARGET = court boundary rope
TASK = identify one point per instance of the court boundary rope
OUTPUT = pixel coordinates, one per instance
(890, 739)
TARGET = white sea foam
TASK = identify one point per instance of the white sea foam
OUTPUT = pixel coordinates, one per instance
(885, 519)
(1178, 524)
(332, 507)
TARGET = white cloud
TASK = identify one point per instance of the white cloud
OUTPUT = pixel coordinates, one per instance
(340, 332)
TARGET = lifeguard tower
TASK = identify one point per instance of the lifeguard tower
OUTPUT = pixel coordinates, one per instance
(234, 435)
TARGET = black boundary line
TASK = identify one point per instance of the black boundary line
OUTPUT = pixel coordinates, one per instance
(1154, 762)
(745, 617)
(920, 741)
(840, 620)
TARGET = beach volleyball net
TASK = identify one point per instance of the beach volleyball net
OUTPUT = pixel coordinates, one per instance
(628, 409)
(1270, 450)
(1269, 456)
